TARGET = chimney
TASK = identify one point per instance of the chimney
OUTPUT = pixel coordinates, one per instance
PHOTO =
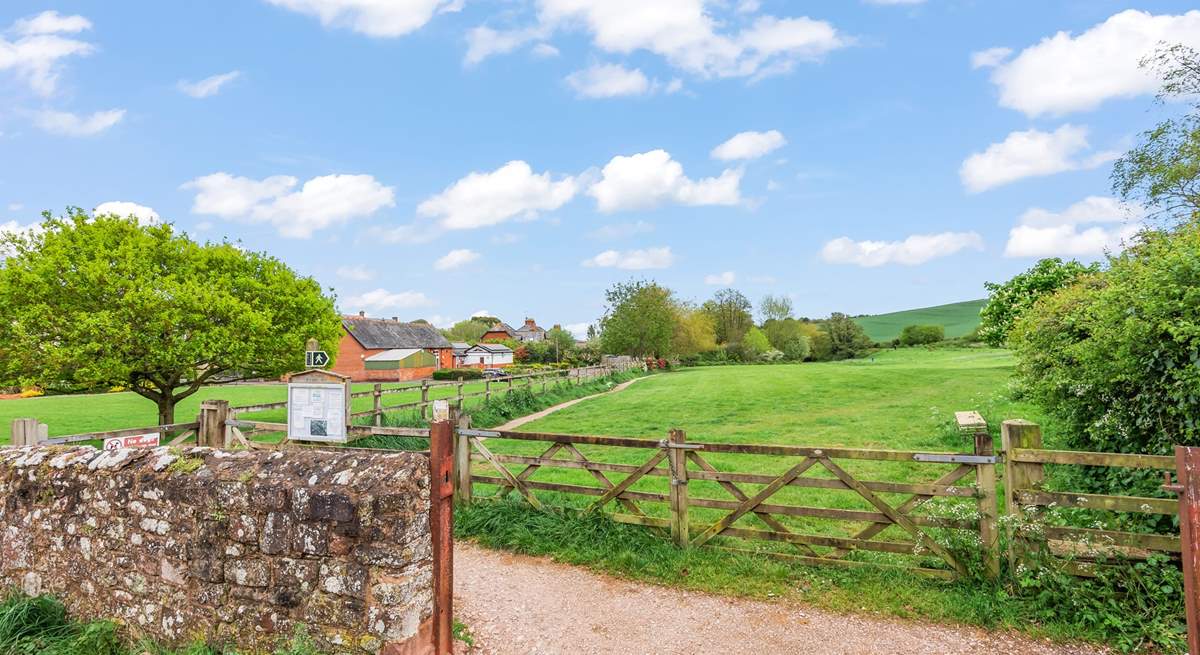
(557, 327)
(395, 319)
(362, 314)
(530, 323)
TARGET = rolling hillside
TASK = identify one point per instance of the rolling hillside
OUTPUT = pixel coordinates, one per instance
(958, 318)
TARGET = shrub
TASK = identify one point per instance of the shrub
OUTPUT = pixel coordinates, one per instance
(1006, 302)
(458, 373)
(916, 335)
(798, 349)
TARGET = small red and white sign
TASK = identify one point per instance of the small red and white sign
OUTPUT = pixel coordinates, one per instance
(136, 441)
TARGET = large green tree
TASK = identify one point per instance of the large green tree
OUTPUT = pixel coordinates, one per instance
(639, 319)
(1008, 300)
(92, 303)
(846, 337)
(730, 313)
(469, 330)
(775, 308)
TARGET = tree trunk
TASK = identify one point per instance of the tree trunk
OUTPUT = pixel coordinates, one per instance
(166, 409)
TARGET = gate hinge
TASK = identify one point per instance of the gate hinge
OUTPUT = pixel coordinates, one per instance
(955, 458)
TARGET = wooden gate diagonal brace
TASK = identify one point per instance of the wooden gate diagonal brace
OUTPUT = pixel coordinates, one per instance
(628, 481)
(528, 471)
(750, 503)
(602, 479)
(519, 485)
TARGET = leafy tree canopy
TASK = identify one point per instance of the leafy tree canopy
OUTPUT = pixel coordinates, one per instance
(730, 313)
(469, 330)
(916, 335)
(92, 303)
(846, 338)
(775, 308)
(1007, 301)
(639, 319)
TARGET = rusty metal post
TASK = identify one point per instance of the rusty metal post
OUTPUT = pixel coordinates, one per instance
(1187, 467)
(441, 524)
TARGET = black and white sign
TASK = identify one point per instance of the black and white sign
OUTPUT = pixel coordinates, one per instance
(316, 358)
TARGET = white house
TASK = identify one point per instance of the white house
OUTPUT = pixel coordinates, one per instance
(486, 355)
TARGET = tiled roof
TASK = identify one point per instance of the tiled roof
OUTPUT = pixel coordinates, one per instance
(375, 333)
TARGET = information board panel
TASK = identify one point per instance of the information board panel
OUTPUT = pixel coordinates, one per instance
(317, 412)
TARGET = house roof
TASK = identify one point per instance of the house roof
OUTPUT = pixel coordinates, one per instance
(375, 333)
(502, 327)
(459, 346)
(394, 355)
(494, 348)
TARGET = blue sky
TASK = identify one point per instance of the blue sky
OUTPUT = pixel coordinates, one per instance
(435, 158)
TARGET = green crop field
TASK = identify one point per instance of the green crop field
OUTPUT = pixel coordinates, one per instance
(958, 318)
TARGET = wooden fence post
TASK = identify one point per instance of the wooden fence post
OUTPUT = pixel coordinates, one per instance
(487, 389)
(462, 461)
(987, 503)
(1018, 476)
(377, 407)
(677, 460)
(510, 387)
(211, 432)
(26, 432)
(424, 399)
(460, 395)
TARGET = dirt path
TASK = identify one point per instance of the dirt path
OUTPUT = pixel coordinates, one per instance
(517, 422)
(517, 605)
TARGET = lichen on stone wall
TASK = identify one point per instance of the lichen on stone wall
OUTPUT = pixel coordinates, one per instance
(234, 547)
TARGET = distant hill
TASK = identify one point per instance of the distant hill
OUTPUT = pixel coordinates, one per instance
(957, 318)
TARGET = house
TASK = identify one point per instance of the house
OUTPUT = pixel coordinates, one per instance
(382, 350)
(530, 331)
(487, 355)
(499, 332)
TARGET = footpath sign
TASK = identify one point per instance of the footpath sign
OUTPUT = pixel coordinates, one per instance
(149, 440)
(316, 358)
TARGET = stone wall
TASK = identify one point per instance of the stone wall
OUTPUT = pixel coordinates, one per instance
(236, 548)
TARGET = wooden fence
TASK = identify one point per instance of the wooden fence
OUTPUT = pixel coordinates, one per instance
(897, 519)
(499, 386)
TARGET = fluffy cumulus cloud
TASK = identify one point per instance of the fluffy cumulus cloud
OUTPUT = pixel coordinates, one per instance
(1087, 228)
(455, 258)
(1065, 73)
(355, 273)
(209, 86)
(512, 191)
(685, 32)
(319, 203)
(1031, 153)
(145, 215)
(721, 279)
(632, 260)
(608, 81)
(749, 145)
(382, 300)
(39, 46)
(652, 178)
(65, 123)
(378, 18)
(916, 249)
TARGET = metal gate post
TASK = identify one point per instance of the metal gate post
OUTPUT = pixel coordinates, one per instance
(441, 524)
(1187, 467)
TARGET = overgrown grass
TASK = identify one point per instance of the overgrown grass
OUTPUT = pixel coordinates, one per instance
(40, 626)
(1058, 606)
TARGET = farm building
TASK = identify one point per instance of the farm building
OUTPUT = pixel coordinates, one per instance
(499, 332)
(383, 350)
(485, 355)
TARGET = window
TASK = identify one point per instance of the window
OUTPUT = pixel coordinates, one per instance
(481, 360)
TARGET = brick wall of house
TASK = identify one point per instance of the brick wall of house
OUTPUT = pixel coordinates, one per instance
(350, 356)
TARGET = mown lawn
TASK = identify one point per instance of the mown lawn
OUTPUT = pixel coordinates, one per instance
(76, 414)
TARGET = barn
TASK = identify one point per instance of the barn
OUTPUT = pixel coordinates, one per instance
(383, 350)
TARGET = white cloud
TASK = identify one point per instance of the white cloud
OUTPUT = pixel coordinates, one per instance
(15, 228)
(749, 145)
(1031, 153)
(144, 214)
(321, 202)
(608, 81)
(1065, 73)
(511, 191)
(688, 36)
(481, 312)
(916, 249)
(65, 123)
(577, 330)
(989, 58)
(15, 206)
(36, 54)
(209, 86)
(621, 230)
(720, 279)
(483, 42)
(545, 50)
(455, 259)
(632, 260)
(378, 18)
(651, 178)
(356, 273)
(1045, 233)
(380, 300)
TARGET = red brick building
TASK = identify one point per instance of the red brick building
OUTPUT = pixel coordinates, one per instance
(383, 350)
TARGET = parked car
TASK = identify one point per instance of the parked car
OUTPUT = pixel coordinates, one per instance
(493, 373)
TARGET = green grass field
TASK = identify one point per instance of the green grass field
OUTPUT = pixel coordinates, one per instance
(958, 318)
(112, 411)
